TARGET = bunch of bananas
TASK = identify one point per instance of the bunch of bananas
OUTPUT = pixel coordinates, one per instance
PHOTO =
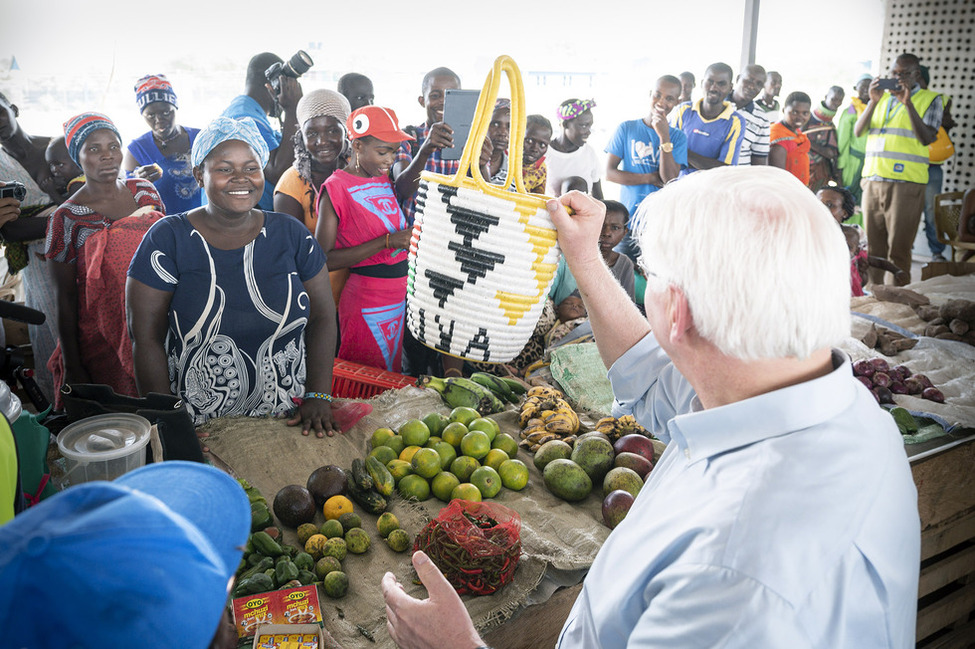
(545, 416)
(484, 392)
(614, 428)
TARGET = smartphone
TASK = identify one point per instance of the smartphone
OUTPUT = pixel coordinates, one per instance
(459, 107)
(888, 84)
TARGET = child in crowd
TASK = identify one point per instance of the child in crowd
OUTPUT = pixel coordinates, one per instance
(571, 313)
(860, 260)
(842, 205)
(362, 227)
(498, 131)
(572, 162)
(538, 132)
(68, 176)
(614, 229)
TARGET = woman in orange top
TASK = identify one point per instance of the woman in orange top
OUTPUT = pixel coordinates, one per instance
(789, 145)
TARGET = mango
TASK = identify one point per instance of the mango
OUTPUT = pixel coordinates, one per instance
(567, 480)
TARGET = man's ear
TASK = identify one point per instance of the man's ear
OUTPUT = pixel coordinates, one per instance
(16, 110)
(679, 317)
(422, 101)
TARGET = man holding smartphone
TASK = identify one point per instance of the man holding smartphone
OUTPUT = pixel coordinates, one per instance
(901, 119)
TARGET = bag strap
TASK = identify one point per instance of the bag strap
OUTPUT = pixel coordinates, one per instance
(482, 119)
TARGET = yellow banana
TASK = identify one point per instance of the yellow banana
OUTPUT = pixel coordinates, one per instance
(561, 423)
(543, 391)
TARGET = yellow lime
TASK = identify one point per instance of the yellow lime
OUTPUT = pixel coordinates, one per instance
(494, 458)
(447, 454)
(414, 487)
(436, 421)
(506, 443)
(489, 426)
(426, 462)
(396, 443)
(350, 520)
(335, 584)
(443, 484)
(336, 506)
(487, 481)
(398, 469)
(380, 436)
(398, 541)
(384, 454)
(463, 414)
(386, 523)
(514, 474)
(476, 444)
(453, 433)
(331, 529)
(305, 532)
(407, 454)
(463, 467)
(414, 432)
(466, 491)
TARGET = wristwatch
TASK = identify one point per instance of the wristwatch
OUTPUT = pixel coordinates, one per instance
(666, 147)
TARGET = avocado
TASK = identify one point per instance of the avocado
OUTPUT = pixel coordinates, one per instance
(294, 505)
(325, 482)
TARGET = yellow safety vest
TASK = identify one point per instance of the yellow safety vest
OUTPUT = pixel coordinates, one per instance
(893, 150)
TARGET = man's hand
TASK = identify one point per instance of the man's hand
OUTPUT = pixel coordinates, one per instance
(290, 94)
(441, 620)
(874, 91)
(579, 233)
(658, 121)
(9, 209)
(902, 93)
(441, 136)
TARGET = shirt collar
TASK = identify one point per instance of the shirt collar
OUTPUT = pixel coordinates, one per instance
(702, 434)
(729, 108)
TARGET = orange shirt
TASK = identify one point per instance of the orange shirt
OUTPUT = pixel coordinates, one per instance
(796, 146)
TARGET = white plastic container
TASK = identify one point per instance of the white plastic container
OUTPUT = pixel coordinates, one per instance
(104, 447)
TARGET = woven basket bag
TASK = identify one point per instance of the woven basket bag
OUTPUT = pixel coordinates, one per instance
(482, 256)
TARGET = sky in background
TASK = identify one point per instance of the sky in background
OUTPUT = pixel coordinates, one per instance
(73, 58)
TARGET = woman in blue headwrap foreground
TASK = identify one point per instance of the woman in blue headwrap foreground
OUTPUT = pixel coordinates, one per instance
(229, 306)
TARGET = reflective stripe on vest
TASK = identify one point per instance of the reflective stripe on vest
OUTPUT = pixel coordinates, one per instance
(893, 150)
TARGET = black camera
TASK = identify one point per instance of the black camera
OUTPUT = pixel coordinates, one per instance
(14, 189)
(296, 66)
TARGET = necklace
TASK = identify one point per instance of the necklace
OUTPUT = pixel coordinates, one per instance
(162, 143)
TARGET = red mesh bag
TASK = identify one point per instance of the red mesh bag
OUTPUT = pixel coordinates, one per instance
(476, 545)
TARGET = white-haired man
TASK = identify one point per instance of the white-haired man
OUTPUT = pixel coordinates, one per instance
(783, 513)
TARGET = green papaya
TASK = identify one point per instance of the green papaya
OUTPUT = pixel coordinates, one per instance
(285, 571)
(260, 516)
(259, 567)
(254, 584)
(304, 561)
(266, 545)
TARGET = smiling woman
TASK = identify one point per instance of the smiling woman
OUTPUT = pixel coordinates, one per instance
(229, 306)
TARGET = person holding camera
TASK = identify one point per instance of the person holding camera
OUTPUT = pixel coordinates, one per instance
(271, 89)
(900, 120)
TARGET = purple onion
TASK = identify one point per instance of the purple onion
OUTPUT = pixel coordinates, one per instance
(879, 364)
(925, 381)
(913, 386)
(883, 395)
(904, 370)
(898, 388)
(881, 380)
(933, 394)
(895, 374)
(863, 368)
(867, 382)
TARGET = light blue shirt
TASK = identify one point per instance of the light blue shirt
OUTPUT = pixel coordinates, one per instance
(785, 520)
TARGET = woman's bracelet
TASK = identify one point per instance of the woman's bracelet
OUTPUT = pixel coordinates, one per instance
(318, 395)
(387, 240)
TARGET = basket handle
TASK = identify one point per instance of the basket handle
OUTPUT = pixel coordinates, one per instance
(482, 119)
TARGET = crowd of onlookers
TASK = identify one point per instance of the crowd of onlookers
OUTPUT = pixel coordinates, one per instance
(230, 306)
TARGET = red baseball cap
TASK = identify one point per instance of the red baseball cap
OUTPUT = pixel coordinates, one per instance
(379, 122)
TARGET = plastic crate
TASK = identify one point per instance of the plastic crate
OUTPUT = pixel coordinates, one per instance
(354, 381)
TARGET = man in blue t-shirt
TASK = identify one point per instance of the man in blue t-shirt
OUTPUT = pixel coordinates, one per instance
(713, 128)
(651, 151)
(257, 103)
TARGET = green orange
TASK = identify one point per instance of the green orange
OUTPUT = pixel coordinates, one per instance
(414, 432)
(414, 487)
(506, 443)
(466, 491)
(463, 467)
(426, 462)
(453, 433)
(443, 485)
(476, 444)
(514, 474)
(487, 481)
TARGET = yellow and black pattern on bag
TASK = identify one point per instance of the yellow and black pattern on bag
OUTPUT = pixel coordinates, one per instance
(482, 257)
